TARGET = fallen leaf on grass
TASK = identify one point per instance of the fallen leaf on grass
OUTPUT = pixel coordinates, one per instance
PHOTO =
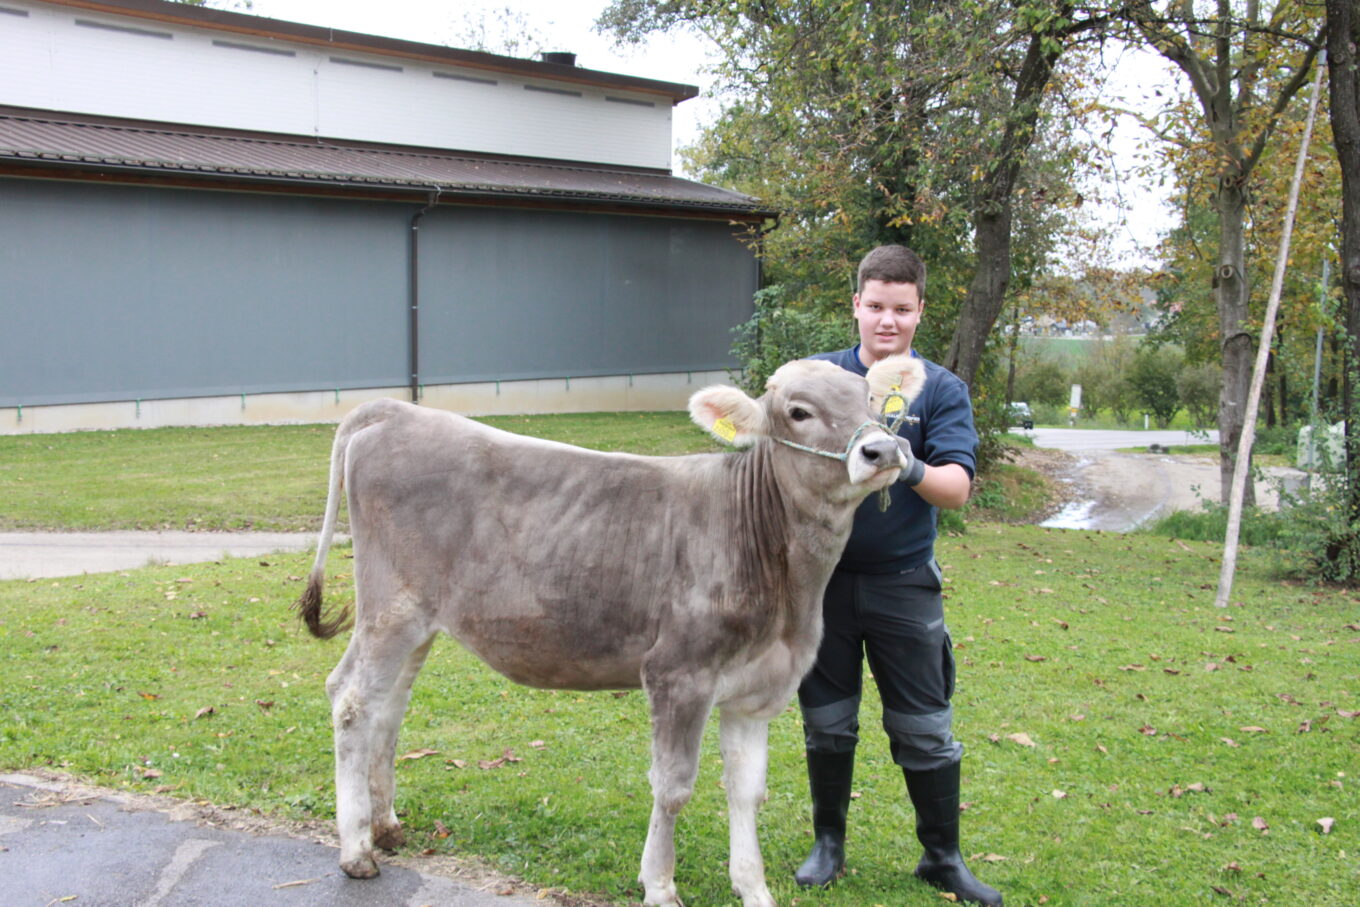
(205, 711)
(1218, 889)
(1234, 866)
(1345, 714)
(1326, 823)
(1059, 795)
(418, 754)
(1211, 666)
(1260, 825)
(488, 764)
(1253, 729)
(1036, 658)
(441, 830)
(1148, 729)
(265, 704)
(148, 696)
(537, 744)
(1229, 741)
(150, 773)
(1022, 739)
(1133, 668)
(991, 858)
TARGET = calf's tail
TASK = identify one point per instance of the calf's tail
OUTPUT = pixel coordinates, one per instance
(309, 604)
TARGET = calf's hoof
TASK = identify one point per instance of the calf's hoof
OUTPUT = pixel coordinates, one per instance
(390, 838)
(362, 868)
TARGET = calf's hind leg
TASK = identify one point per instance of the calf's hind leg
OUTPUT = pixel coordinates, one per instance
(382, 779)
(363, 688)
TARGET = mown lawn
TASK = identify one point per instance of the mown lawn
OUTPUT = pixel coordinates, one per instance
(1127, 743)
(268, 478)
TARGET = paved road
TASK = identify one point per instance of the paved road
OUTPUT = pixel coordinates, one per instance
(1079, 439)
(35, 555)
(63, 843)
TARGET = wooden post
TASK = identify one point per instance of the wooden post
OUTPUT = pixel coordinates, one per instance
(1239, 482)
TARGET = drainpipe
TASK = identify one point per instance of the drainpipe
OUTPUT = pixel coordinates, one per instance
(414, 292)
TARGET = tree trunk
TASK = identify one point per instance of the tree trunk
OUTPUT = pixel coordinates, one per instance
(1232, 298)
(992, 212)
(1343, 34)
(986, 293)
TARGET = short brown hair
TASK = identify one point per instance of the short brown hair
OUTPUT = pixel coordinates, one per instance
(893, 264)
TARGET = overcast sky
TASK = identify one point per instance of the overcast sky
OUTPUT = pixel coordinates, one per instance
(567, 25)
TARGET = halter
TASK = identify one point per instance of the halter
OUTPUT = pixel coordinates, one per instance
(893, 402)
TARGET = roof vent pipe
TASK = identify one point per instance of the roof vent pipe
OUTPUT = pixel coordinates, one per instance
(560, 57)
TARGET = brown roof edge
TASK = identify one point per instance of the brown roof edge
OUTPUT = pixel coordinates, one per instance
(337, 39)
(132, 176)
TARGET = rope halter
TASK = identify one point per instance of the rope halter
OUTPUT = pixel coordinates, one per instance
(893, 402)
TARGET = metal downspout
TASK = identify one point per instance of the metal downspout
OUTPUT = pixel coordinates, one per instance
(413, 290)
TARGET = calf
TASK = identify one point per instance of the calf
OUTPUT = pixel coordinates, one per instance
(697, 578)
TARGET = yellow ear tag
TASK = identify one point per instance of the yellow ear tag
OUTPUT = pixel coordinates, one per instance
(893, 403)
(724, 429)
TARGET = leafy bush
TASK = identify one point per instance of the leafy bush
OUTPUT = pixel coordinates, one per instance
(779, 331)
(1153, 377)
(1042, 381)
(1198, 387)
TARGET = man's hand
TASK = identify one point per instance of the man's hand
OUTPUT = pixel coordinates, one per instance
(915, 470)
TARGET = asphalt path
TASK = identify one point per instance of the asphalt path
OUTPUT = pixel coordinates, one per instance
(37, 555)
(1082, 439)
(64, 843)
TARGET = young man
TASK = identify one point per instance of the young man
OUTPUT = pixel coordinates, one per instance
(884, 600)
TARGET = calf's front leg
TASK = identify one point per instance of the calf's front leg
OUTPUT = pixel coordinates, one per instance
(677, 731)
(744, 742)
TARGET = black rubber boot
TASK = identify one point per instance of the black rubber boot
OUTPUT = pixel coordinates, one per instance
(829, 777)
(935, 794)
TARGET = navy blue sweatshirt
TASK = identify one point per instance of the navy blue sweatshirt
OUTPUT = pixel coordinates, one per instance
(939, 426)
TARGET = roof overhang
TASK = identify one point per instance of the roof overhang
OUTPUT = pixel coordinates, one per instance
(54, 145)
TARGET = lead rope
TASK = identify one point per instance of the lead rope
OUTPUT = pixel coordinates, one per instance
(894, 402)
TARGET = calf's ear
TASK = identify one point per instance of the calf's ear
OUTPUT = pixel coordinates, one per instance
(901, 374)
(728, 414)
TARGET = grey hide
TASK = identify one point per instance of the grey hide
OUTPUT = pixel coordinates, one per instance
(697, 578)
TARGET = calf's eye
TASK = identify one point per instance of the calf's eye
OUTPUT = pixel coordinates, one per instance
(798, 414)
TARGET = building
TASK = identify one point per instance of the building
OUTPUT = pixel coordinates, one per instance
(209, 217)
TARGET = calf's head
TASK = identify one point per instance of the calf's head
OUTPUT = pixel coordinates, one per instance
(823, 412)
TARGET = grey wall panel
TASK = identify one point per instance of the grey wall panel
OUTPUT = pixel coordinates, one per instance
(119, 293)
(122, 293)
(513, 294)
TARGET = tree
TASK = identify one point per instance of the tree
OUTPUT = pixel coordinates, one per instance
(1343, 36)
(1225, 57)
(868, 123)
(1104, 378)
(1153, 378)
(1198, 389)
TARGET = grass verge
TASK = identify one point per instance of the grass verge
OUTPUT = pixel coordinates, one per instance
(1127, 742)
(269, 478)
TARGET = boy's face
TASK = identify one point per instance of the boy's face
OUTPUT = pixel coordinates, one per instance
(888, 314)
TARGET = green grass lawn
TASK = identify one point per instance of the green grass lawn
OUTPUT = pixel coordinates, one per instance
(1165, 734)
(270, 478)
(1127, 743)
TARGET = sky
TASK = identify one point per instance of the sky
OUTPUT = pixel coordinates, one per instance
(1136, 213)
